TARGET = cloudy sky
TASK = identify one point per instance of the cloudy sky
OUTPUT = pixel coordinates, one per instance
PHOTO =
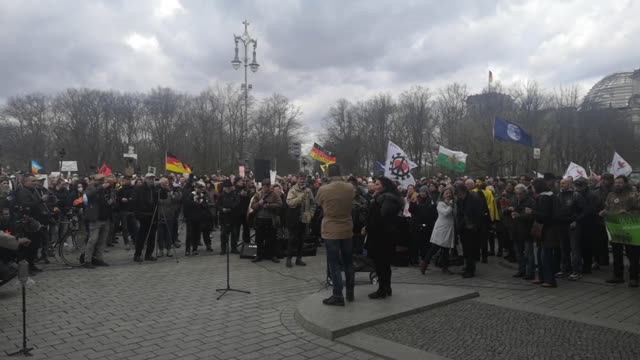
(313, 52)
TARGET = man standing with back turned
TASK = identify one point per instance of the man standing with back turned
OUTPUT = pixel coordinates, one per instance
(337, 231)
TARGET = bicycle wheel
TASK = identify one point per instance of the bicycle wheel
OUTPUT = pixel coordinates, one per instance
(71, 247)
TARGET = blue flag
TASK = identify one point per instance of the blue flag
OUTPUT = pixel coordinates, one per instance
(506, 131)
(379, 166)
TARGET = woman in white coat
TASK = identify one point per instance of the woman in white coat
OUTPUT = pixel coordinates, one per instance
(443, 236)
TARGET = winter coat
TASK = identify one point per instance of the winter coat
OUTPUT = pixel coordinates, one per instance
(145, 200)
(424, 212)
(271, 207)
(126, 192)
(244, 198)
(520, 226)
(196, 206)
(546, 207)
(470, 212)
(588, 205)
(301, 205)
(382, 224)
(31, 202)
(336, 199)
(100, 203)
(228, 207)
(624, 201)
(444, 229)
(168, 204)
(567, 211)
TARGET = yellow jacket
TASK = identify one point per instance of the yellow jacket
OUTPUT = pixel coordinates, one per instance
(491, 204)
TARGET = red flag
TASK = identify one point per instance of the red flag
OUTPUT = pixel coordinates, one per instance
(104, 170)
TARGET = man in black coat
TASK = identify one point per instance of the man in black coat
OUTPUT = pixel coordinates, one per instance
(469, 218)
(424, 213)
(145, 207)
(100, 202)
(228, 208)
(244, 198)
(127, 218)
(587, 222)
(32, 204)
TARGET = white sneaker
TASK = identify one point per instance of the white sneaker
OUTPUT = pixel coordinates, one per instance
(575, 277)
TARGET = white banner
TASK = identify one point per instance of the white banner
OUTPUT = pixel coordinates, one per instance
(619, 166)
(69, 166)
(398, 166)
(575, 171)
(272, 176)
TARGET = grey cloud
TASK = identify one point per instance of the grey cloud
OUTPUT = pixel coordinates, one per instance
(313, 51)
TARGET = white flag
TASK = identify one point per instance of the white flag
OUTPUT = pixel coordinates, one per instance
(272, 176)
(619, 166)
(575, 171)
(398, 166)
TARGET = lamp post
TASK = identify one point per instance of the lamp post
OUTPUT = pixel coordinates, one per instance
(246, 40)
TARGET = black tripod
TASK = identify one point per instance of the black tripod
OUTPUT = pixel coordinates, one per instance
(228, 288)
(23, 275)
(169, 235)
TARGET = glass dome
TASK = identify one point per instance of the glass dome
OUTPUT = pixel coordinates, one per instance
(612, 91)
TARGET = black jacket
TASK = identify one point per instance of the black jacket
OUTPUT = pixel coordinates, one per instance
(31, 203)
(588, 205)
(382, 224)
(228, 206)
(196, 206)
(424, 211)
(470, 212)
(100, 204)
(243, 201)
(126, 192)
(145, 200)
(567, 210)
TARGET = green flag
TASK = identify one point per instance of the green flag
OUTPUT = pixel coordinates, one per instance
(624, 228)
(452, 160)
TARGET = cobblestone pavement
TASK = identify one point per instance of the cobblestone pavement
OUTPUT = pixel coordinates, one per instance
(471, 330)
(167, 310)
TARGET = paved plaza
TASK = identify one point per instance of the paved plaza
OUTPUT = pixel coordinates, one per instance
(168, 310)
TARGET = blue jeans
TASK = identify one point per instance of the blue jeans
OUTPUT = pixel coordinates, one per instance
(524, 255)
(340, 257)
(165, 234)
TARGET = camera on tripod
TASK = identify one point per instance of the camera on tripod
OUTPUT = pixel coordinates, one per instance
(25, 224)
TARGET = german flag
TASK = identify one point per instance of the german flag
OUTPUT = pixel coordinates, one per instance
(173, 164)
(322, 155)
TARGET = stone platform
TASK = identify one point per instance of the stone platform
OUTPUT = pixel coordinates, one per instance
(332, 322)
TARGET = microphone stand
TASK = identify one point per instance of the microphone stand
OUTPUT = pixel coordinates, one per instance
(23, 276)
(228, 288)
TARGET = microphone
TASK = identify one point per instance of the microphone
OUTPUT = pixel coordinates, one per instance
(23, 271)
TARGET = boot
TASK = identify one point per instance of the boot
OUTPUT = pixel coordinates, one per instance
(379, 294)
(289, 264)
(299, 262)
(350, 296)
(445, 270)
(423, 267)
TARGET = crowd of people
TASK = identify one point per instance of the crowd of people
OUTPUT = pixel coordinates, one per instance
(550, 227)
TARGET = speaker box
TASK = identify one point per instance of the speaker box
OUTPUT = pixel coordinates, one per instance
(248, 251)
(261, 169)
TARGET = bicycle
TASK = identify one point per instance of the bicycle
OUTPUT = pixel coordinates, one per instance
(70, 245)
